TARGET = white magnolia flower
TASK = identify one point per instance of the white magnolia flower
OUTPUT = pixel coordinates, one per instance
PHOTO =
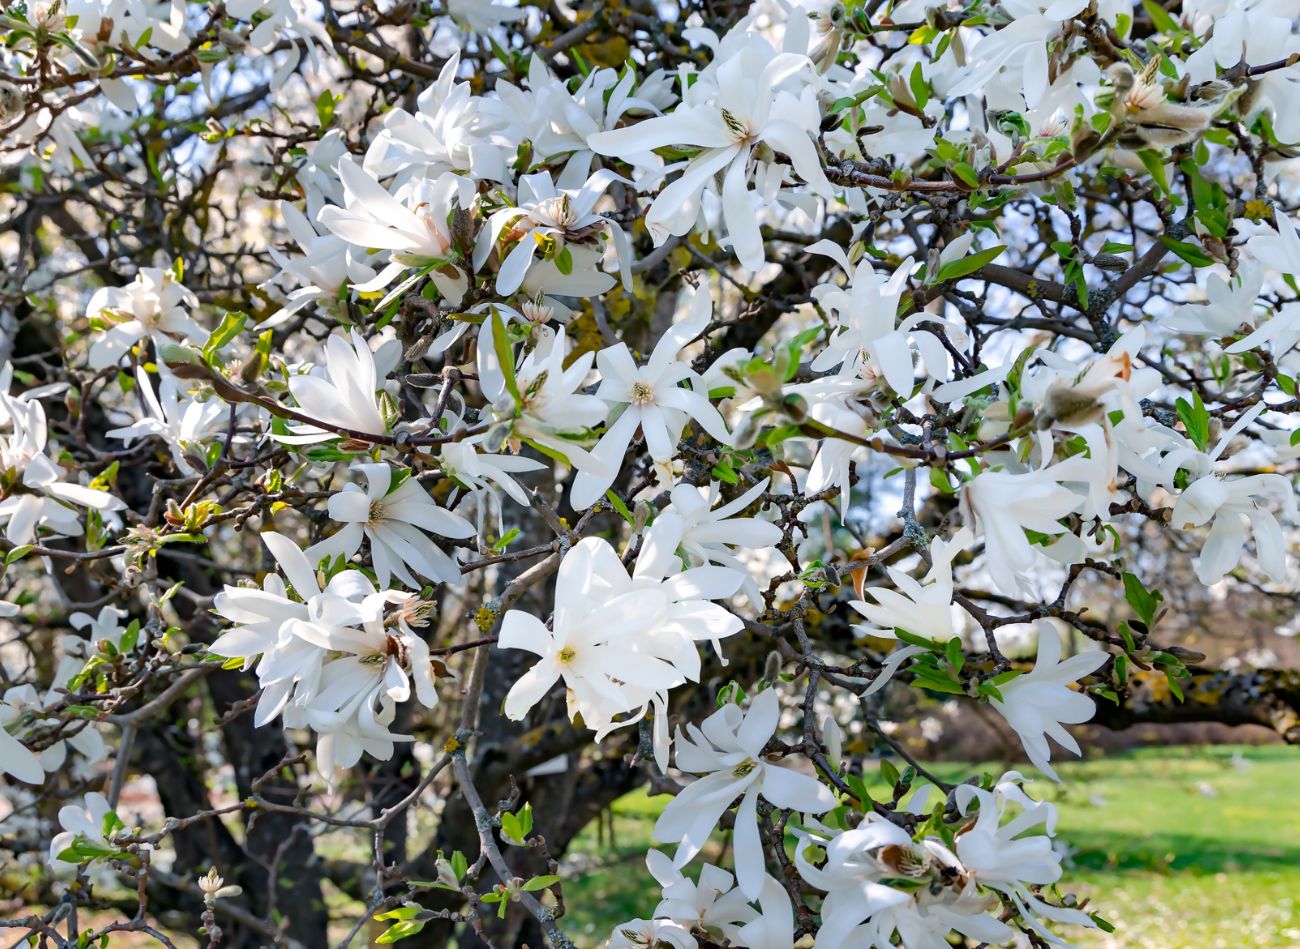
(862, 911)
(1004, 504)
(1039, 702)
(482, 471)
(334, 659)
(328, 264)
(344, 396)
(998, 850)
(87, 742)
(650, 934)
(1278, 250)
(652, 400)
(184, 423)
(414, 225)
(711, 904)
(17, 759)
(709, 534)
(393, 520)
(550, 219)
(1230, 305)
(552, 413)
(836, 458)
(868, 338)
(773, 928)
(294, 24)
(602, 643)
(40, 498)
(728, 750)
(359, 691)
(729, 116)
(105, 626)
(558, 120)
(93, 825)
(451, 130)
(1227, 502)
(481, 16)
(155, 304)
(923, 608)
(276, 629)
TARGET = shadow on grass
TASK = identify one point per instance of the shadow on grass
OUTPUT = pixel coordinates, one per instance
(1169, 852)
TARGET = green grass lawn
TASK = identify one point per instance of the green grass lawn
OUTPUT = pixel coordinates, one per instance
(1181, 848)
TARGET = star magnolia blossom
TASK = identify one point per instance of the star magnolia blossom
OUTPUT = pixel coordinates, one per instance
(923, 608)
(1037, 703)
(552, 412)
(92, 824)
(44, 498)
(547, 216)
(15, 757)
(863, 911)
(727, 116)
(999, 852)
(712, 904)
(344, 396)
(617, 640)
(334, 659)
(155, 304)
(184, 423)
(1227, 502)
(709, 534)
(652, 400)
(728, 751)
(1004, 504)
(415, 226)
(393, 520)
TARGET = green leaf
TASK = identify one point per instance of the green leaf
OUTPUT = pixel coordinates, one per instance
(954, 655)
(1154, 162)
(1144, 602)
(939, 479)
(325, 106)
(967, 173)
(564, 261)
(914, 640)
(540, 883)
(230, 326)
(18, 553)
(889, 772)
(1188, 252)
(505, 357)
(1159, 17)
(1195, 419)
(956, 269)
(919, 87)
(516, 827)
(619, 506)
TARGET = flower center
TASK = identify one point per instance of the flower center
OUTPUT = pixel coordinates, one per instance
(567, 655)
(738, 128)
(557, 211)
(377, 513)
(745, 768)
(642, 393)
